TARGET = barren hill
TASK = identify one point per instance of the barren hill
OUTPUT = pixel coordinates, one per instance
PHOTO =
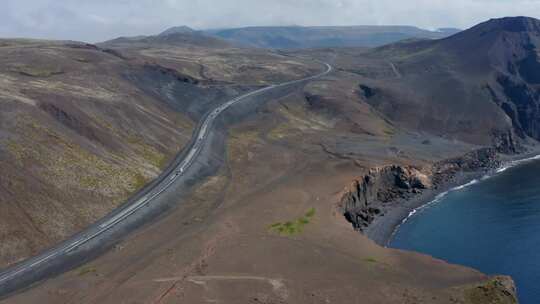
(82, 128)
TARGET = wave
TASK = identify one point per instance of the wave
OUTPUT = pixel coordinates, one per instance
(514, 163)
(474, 181)
(437, 198)
(440, 196)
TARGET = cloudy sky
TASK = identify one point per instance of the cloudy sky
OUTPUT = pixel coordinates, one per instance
(98, 20)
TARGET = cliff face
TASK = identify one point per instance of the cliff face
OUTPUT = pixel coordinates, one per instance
(76, 139)
(368, 196)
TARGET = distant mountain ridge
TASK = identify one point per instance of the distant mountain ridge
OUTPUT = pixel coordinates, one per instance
(294, 37)
(180, 36)
(183, 29)
(289, 37)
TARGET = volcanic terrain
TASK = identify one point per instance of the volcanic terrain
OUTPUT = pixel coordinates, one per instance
(304, 172)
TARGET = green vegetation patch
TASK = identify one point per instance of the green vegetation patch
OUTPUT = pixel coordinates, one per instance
(492, 292)
(293, 227)
(148, 152)
(87, 270)
(241, 143)
(139, 181)
(82, 59)
(370, 260)
(154, 157)
(37, 71)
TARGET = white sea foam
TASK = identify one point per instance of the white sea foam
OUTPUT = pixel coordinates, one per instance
(416, 210)
(514, 163)
(502, 169)
(474, 181)
(440, 196)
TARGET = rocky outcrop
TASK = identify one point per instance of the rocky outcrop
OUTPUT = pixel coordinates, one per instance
(506, 142)
(522, 100)
(366, 91)
(172, 72)
(478, 160)
(497, 290)
(363, 199)
(381, 188)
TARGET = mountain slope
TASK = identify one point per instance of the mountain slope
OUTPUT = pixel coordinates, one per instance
(480, 85)
(82, 127)
(76, 139)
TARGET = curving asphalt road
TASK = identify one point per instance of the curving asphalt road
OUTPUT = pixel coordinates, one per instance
(26, 273)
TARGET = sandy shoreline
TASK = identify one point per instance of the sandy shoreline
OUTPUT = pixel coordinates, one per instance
(382, 228)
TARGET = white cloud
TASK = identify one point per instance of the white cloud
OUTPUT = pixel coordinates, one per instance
(103, 19)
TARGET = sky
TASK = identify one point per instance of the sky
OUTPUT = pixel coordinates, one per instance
(99, 20)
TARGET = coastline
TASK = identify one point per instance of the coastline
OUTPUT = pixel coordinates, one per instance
(382, 229)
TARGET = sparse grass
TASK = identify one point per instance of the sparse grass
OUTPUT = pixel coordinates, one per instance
(82, 59)
(375, 263)
(293, 227)
(370, 260)
(148, 152)
(310, 213)
(86, 270)
(299, 120)
(280, 131)
(36, 71)
(17, 150)
(156, 158)
(139, 181)
(72, 166)
(240, 143)
(388, 132)
(90, 182)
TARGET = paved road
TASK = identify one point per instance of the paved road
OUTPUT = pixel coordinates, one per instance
(394, 69)
(35, 264)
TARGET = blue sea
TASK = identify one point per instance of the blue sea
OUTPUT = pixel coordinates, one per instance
(491, 224)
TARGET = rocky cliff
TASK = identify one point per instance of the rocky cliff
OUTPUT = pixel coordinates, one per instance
(383, 187)
(497, 290)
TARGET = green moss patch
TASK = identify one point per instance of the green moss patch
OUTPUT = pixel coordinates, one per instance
(370, 260)
(87, 270)
(293, 227)
(37, 71)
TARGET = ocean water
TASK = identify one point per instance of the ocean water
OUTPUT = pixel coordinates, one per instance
(492, 225)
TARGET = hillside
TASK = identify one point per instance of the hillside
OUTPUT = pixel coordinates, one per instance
(76, 140)
(479, 86)
(296, 37)
(82, 127)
